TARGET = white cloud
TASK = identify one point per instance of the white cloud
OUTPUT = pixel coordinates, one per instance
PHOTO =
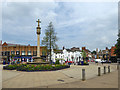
(93, 25)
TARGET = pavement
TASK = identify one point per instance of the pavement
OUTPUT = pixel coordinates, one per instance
(70, 78)
(105, 81)
(0, 77)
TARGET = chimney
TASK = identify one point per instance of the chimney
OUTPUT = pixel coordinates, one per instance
(106, 48)
(83, 48)
(63, 47)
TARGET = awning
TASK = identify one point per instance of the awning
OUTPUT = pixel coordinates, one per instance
(26, 57)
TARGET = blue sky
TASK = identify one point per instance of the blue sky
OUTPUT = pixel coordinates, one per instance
(90, 24)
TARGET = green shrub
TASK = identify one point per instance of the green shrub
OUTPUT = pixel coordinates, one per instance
(57, 62)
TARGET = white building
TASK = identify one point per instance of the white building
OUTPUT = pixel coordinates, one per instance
(73, 54)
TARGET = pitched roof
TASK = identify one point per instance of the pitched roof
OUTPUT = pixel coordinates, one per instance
(58, 51)
(10, 44)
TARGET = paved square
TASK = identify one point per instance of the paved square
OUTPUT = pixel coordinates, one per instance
(69, 78)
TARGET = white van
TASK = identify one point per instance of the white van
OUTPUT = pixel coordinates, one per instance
(98, 60)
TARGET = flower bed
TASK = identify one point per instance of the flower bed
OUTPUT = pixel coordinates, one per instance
(29, 68)
(83, 63)
(10, 67)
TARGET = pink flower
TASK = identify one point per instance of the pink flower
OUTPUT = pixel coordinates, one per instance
(35, 65)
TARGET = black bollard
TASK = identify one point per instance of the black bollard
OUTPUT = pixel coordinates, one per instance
(104, 69)
(108, 69)
(83, 74)
(99, 73)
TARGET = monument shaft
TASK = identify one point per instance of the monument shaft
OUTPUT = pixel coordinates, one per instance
(38, 39)
(38, 45)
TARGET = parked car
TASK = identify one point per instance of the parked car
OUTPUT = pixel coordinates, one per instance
(103, 61)
(98, 60)
(92, 61)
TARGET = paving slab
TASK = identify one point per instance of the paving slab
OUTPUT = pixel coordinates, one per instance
(104, 81)
(1, 76)
(19, 79)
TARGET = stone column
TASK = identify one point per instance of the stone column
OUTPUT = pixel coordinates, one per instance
(38, 45)
(38, 38)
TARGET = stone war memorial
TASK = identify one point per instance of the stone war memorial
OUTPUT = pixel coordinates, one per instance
(38, 59)
(38, 63)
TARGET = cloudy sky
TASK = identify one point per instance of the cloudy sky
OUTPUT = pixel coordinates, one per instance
(90, 24)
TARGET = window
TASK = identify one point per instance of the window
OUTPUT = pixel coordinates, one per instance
(29, 52)
(43, 53)
(23, 53)
(106, 51)
(17, 52)
(55, 56)
(8, 53)
(3, 53)
(34, 53)
(13, 52)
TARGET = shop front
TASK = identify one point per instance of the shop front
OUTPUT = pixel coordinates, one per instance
(23, 58)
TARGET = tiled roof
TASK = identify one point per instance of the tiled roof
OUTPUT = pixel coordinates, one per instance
(58, 51)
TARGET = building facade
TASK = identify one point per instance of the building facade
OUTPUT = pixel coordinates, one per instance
(73, 54)
(103, 54)
(113, 57)
(21, 52)
(88, 53)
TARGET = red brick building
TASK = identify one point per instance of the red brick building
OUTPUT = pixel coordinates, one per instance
(112, 51)
(113, 57)
(21, 51)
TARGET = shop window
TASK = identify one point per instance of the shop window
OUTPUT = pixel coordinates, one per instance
(29, 52)
(23, 53)
(3, 53)
(17, 52)
(12, 52)
(8, 53)
(34, 53)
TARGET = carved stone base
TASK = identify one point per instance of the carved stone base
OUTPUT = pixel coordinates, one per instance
(38, 60)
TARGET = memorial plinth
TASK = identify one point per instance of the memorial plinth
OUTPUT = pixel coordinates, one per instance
(38, 60)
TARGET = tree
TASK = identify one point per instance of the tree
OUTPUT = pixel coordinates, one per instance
(83, 54)
(117, 45)
(93, 52)
(50, 39)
